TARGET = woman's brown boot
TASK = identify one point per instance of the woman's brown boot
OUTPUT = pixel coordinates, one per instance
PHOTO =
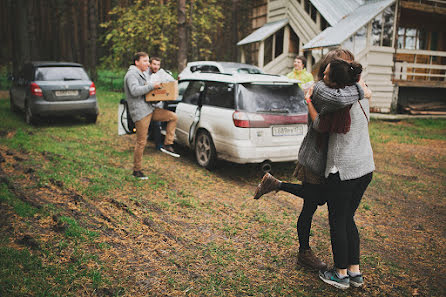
(268, 184)
(310, 260)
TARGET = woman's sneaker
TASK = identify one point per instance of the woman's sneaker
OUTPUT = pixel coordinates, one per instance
(331, 277)
(356, 279)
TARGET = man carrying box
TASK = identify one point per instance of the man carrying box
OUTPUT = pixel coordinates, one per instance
(136, 85)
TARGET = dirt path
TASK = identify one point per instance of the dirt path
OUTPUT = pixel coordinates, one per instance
(198, 232)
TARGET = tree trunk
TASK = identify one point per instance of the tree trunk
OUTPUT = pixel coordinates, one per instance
(22, 42)
(84, 33)
(234, 25)
(92, 44)
(182, 37)
(75, 24)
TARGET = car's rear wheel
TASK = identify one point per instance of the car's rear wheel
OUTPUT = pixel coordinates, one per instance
(205, 150)
(30, 118)
(91, 118)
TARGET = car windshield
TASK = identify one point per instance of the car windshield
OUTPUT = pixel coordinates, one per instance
(61, 73)
(278, 98)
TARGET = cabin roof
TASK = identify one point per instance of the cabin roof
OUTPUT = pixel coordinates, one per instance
(334, 10)
(263, 32)
(333, 36)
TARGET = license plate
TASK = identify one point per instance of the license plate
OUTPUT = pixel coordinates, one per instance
(287, 131)
(66, 93)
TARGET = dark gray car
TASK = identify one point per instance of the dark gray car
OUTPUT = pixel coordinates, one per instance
(54, 89)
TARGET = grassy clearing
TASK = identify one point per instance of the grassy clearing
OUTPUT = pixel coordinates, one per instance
(190, 231)
(408, 132)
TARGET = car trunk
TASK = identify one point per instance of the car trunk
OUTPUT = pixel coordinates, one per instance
(275, 113)
(65, 90)
(63, 83)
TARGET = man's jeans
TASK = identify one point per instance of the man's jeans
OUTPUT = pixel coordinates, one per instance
(142, 128)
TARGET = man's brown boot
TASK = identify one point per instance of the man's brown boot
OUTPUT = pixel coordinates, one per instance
(268, 184)
(308, 259)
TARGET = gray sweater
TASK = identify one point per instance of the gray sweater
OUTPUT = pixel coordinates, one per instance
(325, 100)
(136, 85)
(352, 153)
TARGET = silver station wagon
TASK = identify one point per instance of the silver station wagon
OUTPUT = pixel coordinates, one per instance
(242, 118)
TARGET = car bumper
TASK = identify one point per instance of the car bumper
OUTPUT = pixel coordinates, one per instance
(256, 154)
(81, 107)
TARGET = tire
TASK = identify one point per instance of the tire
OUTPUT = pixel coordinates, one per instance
(30, 118)
(12, 106)
(92, 118)
(205, 152)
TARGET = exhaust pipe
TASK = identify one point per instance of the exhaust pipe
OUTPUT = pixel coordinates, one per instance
(265, 166)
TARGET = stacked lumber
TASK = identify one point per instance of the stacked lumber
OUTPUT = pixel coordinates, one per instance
(431, 107)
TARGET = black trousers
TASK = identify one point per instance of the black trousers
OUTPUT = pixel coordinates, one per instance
(313, 196)
(343, 201)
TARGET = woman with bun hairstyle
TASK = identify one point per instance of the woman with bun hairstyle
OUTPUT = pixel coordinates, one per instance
(310, 169)
(348, 172)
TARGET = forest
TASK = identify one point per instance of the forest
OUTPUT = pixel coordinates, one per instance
(106, 33)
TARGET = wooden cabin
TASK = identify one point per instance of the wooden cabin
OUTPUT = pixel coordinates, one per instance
(400, 43)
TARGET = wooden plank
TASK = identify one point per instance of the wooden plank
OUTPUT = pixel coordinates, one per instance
(428, 112)
(420, 83)
(424, 7)
(421, 52)
(427, 106)
(423, 66)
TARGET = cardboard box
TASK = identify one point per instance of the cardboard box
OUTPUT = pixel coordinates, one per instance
(168, 92)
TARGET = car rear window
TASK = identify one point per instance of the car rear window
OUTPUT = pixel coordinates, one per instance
(60, 73)
(264, 98)
(243, 70)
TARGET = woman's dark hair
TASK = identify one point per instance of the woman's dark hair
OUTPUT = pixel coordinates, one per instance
(303, 59)
(138, 55)
(343, 73)
(339, 53)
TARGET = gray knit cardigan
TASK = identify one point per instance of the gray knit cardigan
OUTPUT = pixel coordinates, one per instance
(325, 100)
(136, 85)
(352, 153)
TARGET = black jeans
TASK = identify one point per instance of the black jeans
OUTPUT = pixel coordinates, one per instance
(343, 202)
(313, 196)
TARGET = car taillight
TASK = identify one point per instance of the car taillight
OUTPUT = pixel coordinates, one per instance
(247, 120)
(36, 90)
(253, 120)
(92, 89)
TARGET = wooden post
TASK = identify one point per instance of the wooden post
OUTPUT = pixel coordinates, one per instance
(309, 60)
(286, 40)
(261, 54)
(242, 55)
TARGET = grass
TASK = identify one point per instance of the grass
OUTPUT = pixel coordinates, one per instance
(408, 132)
(21, 208)
(198, 239)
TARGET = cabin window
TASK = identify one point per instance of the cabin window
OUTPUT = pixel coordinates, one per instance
(324, 23)
(310, 9)
(278, 50)
(360, 40)
(294, 42)
(268, 55)
(382, 27)
(409, 38)
(357, 42)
